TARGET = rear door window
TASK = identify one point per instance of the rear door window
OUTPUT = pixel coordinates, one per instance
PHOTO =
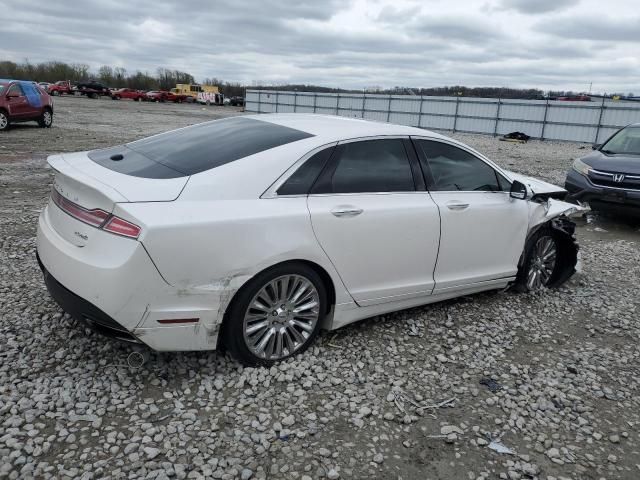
(369, 166)
(194, 149)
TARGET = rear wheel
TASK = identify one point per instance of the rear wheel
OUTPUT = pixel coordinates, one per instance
(46, 119)
(4, 120)
(55, 93)
(276, 315)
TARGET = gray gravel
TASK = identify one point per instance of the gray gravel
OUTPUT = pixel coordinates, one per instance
(397, 396)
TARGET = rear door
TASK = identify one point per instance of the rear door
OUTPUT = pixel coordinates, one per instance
(483, 228)
(18, 105)
(375, 220)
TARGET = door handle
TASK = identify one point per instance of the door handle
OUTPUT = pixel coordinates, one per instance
(346, 211)
(457, 205)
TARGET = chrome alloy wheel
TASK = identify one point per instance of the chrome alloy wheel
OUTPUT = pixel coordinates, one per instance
(47, 118)
(281, 317)
(542, 263)
(4, 121)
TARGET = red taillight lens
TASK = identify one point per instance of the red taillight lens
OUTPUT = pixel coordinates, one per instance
(121, 227)
(96, 218)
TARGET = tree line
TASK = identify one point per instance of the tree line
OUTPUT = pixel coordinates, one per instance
(165, 79)
(113, 77)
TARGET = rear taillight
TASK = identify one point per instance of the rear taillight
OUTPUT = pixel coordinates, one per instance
(121, 227)
(96, 217)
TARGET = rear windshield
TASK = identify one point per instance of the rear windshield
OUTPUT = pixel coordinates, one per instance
(195, 149)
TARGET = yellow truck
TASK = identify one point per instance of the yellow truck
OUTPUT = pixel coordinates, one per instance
(208, 94)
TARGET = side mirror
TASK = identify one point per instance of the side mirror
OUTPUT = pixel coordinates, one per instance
(518, 190)
(596, 146)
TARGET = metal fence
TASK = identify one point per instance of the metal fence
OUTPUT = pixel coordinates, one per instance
(590, 122)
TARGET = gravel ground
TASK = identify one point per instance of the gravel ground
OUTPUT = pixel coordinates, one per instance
(427, 393)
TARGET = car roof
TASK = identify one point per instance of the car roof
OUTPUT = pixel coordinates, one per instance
(335, 128)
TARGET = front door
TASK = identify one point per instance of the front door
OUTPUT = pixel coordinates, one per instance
(483, 228)
(378, 226)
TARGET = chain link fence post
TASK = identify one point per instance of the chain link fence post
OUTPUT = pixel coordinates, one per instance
(544, 119)
(389, 109)
(495, 126)
(602, 107)
(455, 114)
(315, 101)
(420, 111)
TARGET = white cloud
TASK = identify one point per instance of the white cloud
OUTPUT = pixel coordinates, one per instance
(419, 43)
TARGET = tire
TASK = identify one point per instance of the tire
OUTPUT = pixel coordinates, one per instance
(116, 97)
(542, 261)
(46, 119)
(4, 121)
(275, 336)
(55, 93)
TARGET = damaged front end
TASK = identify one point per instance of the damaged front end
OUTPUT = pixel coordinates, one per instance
(551, 216)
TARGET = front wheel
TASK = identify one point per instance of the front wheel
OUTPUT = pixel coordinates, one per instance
(541, 263)
(276, 315)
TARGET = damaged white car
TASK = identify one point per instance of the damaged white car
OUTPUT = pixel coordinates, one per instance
(255, 232)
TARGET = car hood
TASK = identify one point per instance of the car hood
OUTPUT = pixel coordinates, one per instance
(620, 163)
(536, 185)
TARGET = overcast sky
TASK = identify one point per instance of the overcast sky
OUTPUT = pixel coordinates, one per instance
(559, 44)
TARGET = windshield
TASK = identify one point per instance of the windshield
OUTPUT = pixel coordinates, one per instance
(626, 141)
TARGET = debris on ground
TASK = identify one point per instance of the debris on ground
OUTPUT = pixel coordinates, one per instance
(515, 137)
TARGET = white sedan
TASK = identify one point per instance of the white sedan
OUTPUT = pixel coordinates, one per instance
(258, 231)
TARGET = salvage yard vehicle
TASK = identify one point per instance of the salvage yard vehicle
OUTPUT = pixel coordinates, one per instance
(257, 231)
(163, 96)
(608, 179)
(209, 98)
(22, 101)
(91, 89)
(191, 91)
(60, 88)
(128, 93)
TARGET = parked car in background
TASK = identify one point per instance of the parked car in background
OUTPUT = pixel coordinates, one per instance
(22, 101)
(63, 87)
(44, 85)
(237, 102)
(128, 93)
(163, 96)
(258, 231)
(157, 96)
(92, 89)
(609, 177)
(210, 98)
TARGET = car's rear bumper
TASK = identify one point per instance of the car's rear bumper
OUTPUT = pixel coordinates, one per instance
(112, 285)
(603, 198)
(82, 310)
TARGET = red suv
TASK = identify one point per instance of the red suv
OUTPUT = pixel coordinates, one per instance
(22, 101)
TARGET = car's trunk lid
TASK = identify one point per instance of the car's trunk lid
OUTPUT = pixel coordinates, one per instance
(91, 181)
(92, 187)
